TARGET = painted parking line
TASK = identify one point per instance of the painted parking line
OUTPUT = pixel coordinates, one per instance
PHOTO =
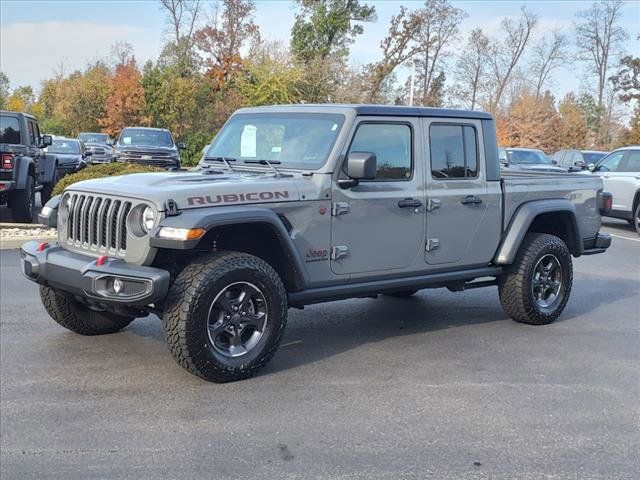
(626, 238)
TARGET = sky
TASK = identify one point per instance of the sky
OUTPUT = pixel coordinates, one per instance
(38, 38)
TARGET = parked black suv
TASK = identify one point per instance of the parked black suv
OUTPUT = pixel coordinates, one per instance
(25, 167)
(148, 146)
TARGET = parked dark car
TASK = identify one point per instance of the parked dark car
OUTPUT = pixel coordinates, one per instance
(577, 160)
(71, 155)
(528, 159)
(148, 146)
(25, 167)
(99, 144)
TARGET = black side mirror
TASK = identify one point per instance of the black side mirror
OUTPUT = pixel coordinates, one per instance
(87, 154)
(46, 141)
(360, 166)
(182, 145)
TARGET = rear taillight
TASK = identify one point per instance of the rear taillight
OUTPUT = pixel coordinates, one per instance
(605, 202)
(7, 161)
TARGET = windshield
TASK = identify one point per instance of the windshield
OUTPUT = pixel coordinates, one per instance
(64, 146)
(528, 157)
(144, 136)
(593, 157)
(102, 138)
(9, 130)
(295, 140)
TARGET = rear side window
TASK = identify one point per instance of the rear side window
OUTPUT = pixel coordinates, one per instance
(9, 130)
(631, 163)
(454, 151)
(391, 144)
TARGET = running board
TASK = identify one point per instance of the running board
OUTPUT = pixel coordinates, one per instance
(368, 289)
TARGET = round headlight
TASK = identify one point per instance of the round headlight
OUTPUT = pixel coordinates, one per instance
(148, 219)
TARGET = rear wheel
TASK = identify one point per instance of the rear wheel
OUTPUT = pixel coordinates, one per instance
(80, 318)
(23, 202)
(225, 315)
(536, 287)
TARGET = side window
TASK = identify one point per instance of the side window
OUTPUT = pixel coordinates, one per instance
(391, 143)
(631, 163)
(454, 151)
(32, 135)
(611, 163)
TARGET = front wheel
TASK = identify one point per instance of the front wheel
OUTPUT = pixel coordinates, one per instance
(536, 287)
(225, 315)
(636, 218)
(47, 188)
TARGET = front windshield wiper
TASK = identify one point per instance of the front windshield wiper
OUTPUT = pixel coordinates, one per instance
(270, 163)
(224, 160)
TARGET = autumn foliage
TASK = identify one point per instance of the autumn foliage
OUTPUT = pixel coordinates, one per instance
(125, 104)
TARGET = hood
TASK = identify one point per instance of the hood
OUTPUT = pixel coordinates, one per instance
(196, 189)
(145, 148)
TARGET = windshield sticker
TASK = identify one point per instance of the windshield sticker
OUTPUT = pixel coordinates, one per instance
(248, 141)
(126, 140)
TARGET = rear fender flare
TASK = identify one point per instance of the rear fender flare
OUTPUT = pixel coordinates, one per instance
(522, 220)
(24, 166)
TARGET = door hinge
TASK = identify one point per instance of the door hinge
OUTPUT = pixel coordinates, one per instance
(340, 208)
(432, 204)
(339, 251)
(432, 244)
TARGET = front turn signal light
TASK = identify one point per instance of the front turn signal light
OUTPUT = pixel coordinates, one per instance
(181, 233)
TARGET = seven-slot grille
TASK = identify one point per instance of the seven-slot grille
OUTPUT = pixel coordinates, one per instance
(98, 223)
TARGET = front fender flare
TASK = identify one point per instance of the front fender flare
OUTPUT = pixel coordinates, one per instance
(210, 218)
(522, 220)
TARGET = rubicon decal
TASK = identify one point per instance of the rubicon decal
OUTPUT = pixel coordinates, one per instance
(237, 197)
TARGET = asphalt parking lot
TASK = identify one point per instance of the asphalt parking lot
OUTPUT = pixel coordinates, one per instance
(439, 386)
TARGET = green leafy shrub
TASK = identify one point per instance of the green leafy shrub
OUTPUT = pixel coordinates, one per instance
(100, 171)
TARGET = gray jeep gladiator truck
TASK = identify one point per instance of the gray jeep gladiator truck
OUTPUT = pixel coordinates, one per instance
(295, 205)
(25, 167)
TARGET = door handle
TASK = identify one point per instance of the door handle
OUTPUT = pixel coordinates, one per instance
(471, 200)
(409, 203)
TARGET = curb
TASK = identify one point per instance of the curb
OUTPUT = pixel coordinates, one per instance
(11, 243)
(24, 226)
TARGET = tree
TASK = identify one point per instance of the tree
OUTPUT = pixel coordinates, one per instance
(439, 28)
(221, 41)
(326, 28)
(599, 38)
(182, 17)
(125, 104)
(627, 80)
(531, 122)
(22, 99)
(4, 89)
(549, 53)
(397, 48)
(573, 128)
(506, 55)
(471, 68)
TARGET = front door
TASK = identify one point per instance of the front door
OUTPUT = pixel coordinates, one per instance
(378, 225)
(463, 210)
(618, 172)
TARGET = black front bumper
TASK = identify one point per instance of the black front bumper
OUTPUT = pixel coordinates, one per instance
(598, 244)
(81, 275)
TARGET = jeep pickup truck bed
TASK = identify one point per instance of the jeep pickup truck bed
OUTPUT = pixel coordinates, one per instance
(294, 205)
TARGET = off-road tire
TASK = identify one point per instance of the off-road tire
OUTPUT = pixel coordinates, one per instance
(23, 202)
(515, 283)
(186, 309)
(401, 294)
(47, 188)
(79, 318)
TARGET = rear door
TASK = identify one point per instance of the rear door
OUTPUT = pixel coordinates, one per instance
(463, 209)
(378, 225)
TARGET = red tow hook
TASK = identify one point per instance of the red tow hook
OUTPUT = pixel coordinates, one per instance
(102, 260)
(42, 246)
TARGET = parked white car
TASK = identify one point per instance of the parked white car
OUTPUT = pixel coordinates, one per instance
(620, 172)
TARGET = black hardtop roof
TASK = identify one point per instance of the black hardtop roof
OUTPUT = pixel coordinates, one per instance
(12, 113)
(404, 111)
(371, 110)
